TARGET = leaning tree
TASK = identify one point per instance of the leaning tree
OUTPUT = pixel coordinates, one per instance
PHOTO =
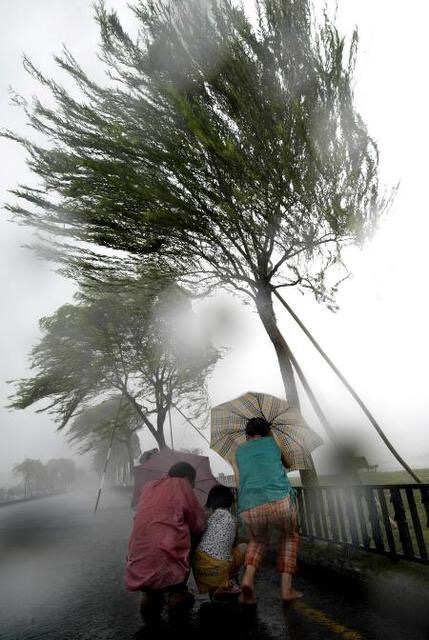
(111, 421)
(225, 146)
(118, 469)
(145, 343)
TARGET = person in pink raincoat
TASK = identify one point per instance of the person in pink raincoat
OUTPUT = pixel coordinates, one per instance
(167, 521)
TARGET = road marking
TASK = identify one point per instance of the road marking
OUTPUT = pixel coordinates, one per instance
(323, 619)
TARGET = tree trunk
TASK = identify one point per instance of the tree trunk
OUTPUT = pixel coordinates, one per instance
(158, 432)
(264, 305)
(160, 421)
(131, 460)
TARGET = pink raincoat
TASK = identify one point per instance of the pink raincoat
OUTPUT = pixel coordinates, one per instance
(158, 552)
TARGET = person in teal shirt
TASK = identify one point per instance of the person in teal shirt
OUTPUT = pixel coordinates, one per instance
(266, 501)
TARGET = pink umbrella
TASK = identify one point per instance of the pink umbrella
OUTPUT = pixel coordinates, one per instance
(160, 463)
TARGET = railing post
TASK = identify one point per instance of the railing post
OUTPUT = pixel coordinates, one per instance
(341, 516)
(301, 512)
(313, 510)
(374, 519)
(352, 517)
(425, 502)
(416, 523)
(332, 514)
(386, 521)
(401, 521)
(322, 511)
(366, 538)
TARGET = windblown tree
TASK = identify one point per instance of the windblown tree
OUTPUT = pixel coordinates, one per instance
(55, 474)
(66, 472)
(226, 148)
(118, 469)
(110, 420)
(142, 342)
(38, 478)
(33, 474)
(60, 473)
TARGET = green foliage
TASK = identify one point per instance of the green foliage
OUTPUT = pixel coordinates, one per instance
(93, 427)
(144, 342)
(119, 469)
(230, 151)
(33, 474)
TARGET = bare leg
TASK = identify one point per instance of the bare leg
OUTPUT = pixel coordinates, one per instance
(257, 526)
(288, 551)
(288, 592)
(248, 585)
(249, 576)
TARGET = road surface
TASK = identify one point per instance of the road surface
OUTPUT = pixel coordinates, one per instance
(61, 572)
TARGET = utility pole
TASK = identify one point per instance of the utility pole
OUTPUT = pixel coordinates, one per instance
(109, 451)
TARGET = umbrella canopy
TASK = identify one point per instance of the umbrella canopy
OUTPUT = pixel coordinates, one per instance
(160, 463)
(295, 438)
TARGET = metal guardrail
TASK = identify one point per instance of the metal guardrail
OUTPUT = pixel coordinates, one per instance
(386, 519)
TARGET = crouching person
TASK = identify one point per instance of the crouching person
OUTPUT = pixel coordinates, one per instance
(217, 559)
(168, 518)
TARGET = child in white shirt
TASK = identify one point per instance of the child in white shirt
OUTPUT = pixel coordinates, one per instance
(217, 559)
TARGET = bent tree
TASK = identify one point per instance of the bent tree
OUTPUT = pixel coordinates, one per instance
(111, 420)
(131, 341)
(118, 469)
(224, 146)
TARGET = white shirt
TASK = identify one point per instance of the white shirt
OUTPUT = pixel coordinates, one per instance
(218, 538)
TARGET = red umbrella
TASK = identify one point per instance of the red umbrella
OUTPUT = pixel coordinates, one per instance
(160, 463)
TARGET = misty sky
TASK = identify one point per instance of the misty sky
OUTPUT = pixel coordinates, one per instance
(379, 336)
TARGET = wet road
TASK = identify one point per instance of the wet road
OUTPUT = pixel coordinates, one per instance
(61, 579)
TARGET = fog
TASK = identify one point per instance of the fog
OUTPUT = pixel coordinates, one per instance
(379, 336)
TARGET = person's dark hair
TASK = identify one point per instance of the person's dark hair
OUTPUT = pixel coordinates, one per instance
(183, 470)
(258, 427)
(219, 497)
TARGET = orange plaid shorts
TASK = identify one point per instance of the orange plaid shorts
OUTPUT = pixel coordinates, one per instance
(260, 520)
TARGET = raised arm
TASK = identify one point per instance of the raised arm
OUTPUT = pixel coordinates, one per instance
(286, 463)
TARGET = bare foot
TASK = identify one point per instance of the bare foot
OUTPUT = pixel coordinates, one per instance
(288, 596)
(247, 595)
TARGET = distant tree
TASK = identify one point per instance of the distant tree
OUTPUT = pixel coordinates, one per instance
(54, 474)
(94, 426)
(144, 343)
(61, 473)
(33, 474)
(229, 150)
(67, 469)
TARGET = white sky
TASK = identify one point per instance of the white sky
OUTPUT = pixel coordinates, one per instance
(378, 338)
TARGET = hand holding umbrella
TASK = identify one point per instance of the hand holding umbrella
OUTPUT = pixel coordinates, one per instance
(293, 435)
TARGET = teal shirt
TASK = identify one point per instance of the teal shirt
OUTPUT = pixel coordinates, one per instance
(262, 475)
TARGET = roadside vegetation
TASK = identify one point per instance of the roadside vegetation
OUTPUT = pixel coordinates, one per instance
(40, 479)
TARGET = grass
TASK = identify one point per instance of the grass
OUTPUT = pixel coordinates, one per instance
(375, 477)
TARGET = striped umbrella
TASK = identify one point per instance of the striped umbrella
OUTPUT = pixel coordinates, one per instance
(295, 438)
